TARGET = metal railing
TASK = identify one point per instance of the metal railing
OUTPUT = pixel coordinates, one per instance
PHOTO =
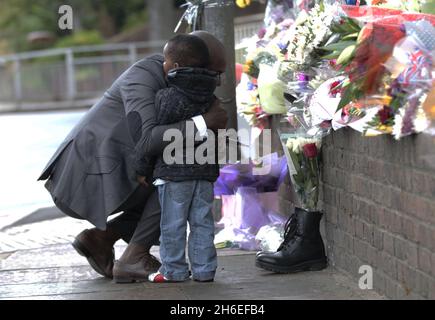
(76, 77)
(67, 74)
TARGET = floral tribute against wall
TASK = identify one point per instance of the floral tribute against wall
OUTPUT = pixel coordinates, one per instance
(324, 66)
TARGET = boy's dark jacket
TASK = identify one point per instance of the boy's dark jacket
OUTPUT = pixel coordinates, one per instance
(190, 93)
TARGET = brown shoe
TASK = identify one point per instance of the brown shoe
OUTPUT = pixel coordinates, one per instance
(136, 272)
(94, 246)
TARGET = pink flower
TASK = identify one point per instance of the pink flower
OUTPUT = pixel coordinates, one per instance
(261, 33)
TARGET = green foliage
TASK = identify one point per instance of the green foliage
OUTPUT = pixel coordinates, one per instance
(428, 6)
(104, 17)
(80, 38)
(135, 19)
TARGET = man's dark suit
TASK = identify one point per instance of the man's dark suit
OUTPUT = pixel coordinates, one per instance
(93, 174)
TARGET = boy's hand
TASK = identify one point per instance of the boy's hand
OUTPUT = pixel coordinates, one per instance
(142, 181)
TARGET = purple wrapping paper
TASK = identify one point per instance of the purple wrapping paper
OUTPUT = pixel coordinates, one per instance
(244, 213)
(239, 175)
(249, 201)
(250, 212)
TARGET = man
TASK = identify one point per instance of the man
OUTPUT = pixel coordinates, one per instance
(99, 170)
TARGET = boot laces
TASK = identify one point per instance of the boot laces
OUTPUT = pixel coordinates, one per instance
(290, 229)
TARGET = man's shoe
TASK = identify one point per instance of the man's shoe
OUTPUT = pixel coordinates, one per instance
(137, 272)
(302, 248)
(99, 252)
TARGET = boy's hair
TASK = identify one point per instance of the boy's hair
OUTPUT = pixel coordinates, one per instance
(188, 51)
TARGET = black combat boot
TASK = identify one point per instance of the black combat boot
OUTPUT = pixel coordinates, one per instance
(302, 248)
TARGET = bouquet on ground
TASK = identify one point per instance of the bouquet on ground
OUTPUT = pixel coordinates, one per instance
(249, 200)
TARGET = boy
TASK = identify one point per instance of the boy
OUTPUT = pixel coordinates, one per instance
(186, 190)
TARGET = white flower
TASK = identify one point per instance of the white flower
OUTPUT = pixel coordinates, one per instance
(421, 122)
(289, 143)
(398, 122)
(296, 144)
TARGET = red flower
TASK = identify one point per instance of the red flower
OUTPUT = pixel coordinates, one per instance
(310, 150)
(335, 88)
(385, 114)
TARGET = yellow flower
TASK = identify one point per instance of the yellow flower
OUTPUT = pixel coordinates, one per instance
(247, 66)
(386, 129)
(243, 3)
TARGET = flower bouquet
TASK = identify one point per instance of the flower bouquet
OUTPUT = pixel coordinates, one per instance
(304, 154)
(248, 103)
(309, 32)
(249, 200)
(408, 81)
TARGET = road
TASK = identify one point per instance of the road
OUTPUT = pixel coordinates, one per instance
(27, 141)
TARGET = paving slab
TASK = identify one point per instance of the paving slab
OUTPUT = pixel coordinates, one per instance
(58, 272)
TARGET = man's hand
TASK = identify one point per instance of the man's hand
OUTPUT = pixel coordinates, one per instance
(143, 181)
(216, 117)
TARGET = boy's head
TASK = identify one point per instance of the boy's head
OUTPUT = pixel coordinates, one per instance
(185, 50)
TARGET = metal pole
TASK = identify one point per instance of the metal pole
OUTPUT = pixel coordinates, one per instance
(70, 74)
(17, 82)
(132, 53)
(219, 20)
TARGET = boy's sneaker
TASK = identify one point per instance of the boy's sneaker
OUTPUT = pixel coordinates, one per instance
(157, 277)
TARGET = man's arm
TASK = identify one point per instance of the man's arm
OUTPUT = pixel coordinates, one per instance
(138, 91)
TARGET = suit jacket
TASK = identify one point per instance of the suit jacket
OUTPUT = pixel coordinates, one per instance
(94, 171)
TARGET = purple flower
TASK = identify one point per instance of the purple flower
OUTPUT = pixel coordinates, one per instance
(261, 33)
(403, 27)
(251, 86)
(303, 77)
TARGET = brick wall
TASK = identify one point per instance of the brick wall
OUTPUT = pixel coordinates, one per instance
(379, 205)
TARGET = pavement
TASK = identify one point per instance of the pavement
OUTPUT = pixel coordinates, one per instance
(38, 262)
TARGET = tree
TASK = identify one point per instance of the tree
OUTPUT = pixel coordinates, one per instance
(20, 17)
(162, 19)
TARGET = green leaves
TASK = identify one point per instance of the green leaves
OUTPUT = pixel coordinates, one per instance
(339, 46)
(346, 26)
(352, 24)
(346, 55)
(295, 160)
(351, 93)
(306, 181)
(352, 36)
(348, 31)
(332, 56)
(346, 98)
